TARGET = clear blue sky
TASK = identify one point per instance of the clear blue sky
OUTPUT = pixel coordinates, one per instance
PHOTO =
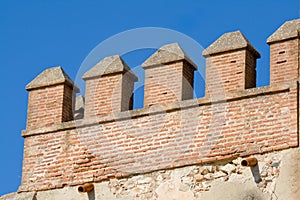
(40, 34)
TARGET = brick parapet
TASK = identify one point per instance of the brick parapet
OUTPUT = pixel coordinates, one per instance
(125, 115)
(91, 152)
(179, 133)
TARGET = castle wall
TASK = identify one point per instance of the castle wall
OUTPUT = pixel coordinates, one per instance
(255, 121)
(164, 148)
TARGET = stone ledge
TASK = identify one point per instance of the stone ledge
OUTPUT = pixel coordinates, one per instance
(249, 93)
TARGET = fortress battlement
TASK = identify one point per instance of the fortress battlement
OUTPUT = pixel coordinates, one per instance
(111, 140)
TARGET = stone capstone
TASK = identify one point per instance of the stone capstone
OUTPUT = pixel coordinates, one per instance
(109, 65)
(49, 77)
(166, 54)
(229, 42)
(288, 30)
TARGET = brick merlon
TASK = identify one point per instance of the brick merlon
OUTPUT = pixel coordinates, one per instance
(229, 42)
(167, 54)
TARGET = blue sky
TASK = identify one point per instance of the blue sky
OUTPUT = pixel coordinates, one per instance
(40, 34)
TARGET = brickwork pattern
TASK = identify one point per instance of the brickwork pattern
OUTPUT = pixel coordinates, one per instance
(120, 148)
(103, 95)
(284, 61)
(112, 141)
(168, 83)
(230, 72)
(48, 106)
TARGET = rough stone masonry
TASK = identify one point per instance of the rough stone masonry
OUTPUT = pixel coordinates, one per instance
(176, 147)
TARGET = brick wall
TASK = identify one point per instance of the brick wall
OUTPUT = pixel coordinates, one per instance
(284, 61)
(109, 87)
(169, 76)
(194, 131)
(100, 93)
(221, 80)
(161, 87)
(51, 100)
(261, 120)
